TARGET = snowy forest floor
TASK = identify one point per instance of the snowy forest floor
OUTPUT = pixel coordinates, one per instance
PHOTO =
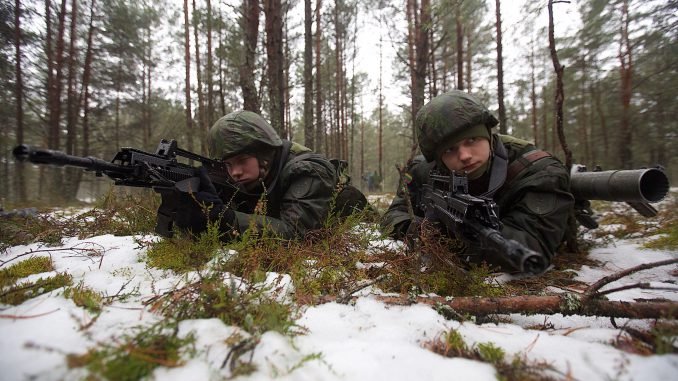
(78, 303)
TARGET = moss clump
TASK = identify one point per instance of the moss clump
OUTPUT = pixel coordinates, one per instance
(21, 292)
(490, 353)
(136, 357)
(32, 265)
(85, 297)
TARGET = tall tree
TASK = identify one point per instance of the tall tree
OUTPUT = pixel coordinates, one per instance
(419, 21)
(319, 125)
(309, 134)
(250, 27)
(202, 119)
(503, 128)
(187, 79)
(624, 153)
(86, 74)
(274, 53)
(20, 184)
(459, 28)
(55, 74)
(209, 75)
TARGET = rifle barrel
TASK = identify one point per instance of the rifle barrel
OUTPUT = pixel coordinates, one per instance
(46, 156)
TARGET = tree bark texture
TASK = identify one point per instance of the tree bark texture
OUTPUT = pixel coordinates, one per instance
(422, 21)
(309, 134)
(20, 183)
(209, 75)
(274, 53)
(187, 79)
(565, 304)
(319, 124)
(625, 154)
(86, 74)
(460, 46)
(202, 121)
(503, 128)
(250, 21)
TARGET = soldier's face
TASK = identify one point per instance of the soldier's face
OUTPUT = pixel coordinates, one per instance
(467, 155)
(243, 168)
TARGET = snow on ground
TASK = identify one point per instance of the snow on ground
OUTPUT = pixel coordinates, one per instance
(368, 340)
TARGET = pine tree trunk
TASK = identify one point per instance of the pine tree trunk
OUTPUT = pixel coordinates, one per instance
(72, 176)
(251, 11)
(319, 125)
(533, 96)
(503, 127)
(309, 134)
(625, 154)
(86, 73)
(422, 21)
(460, 46)
(187, 79)
(274, 53)
(20, 183)
(202, 123)
(210, 71)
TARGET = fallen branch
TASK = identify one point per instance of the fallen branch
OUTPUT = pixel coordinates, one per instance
(14, 317)
(566, 304)
(591, 292)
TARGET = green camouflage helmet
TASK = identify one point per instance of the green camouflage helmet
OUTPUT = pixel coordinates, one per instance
(238, 132)
(446, 115)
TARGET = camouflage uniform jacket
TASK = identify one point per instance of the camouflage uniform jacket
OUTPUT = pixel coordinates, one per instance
(295, 201)
(533, 206)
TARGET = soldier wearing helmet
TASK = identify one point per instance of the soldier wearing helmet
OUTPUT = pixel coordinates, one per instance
(278, 185)
(530, 186)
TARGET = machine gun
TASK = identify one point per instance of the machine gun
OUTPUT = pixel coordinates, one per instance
(474, 219)
(160, 171)
(636, 187)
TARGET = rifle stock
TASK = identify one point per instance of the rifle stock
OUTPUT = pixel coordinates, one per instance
(160, 171)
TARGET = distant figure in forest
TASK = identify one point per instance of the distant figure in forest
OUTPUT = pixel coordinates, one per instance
(530, 187)
(280, 185)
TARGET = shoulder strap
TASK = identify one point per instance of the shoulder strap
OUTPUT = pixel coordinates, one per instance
(498, 170)
(518, 165)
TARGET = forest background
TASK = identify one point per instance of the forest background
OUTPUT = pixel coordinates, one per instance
(90, 76)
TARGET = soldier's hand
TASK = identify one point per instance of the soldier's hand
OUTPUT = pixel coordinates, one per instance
(196, 209)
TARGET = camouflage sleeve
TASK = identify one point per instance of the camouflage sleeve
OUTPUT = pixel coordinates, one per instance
(535, 209)
(397, 217)
(307, 189)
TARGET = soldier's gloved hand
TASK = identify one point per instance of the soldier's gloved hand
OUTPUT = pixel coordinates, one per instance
(195, 208)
